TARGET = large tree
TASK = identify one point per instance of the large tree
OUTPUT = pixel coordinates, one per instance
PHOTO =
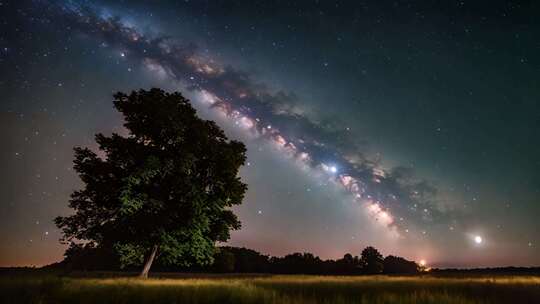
(371, 260)
(165, 190)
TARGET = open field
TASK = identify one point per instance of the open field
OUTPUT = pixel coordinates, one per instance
(47, 288)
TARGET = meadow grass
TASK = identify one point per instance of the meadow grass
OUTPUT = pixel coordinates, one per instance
(290, 289)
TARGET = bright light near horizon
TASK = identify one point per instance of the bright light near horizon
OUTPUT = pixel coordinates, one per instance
(478, 239)
(422, 263)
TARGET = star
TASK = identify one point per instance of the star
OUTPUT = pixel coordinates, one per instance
(478, 239)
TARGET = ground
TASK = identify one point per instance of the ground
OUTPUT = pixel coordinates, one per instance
(38, 287)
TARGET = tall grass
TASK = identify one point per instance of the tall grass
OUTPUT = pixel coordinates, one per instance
(270, 289)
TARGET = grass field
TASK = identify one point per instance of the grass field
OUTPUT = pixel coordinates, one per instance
(32, 288)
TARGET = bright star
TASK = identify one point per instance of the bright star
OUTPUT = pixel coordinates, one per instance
(478, 239)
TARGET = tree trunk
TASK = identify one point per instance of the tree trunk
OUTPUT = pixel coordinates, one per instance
(148, 263)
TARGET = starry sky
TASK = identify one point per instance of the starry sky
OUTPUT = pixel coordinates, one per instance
(411, 126)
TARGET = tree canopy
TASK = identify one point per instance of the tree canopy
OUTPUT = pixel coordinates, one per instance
(165, 189)
(371, 260)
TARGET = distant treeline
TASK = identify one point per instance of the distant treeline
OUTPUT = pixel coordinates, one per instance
(243, 260)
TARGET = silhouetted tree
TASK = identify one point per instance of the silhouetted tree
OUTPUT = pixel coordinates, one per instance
(393, 264)
(248, 260)
(348, 259)
(164, 190)
(224, 261)
(371, 260)
(88, 257)
(347, 265)
(305, 263)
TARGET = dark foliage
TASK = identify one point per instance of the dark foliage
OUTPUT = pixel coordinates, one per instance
(371, 260)
(394, 264)
(90, 257)
(165, 190)
(243, 260)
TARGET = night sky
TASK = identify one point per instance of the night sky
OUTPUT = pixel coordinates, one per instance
(411, 126)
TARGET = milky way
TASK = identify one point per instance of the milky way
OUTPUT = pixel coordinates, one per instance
(392, 196)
